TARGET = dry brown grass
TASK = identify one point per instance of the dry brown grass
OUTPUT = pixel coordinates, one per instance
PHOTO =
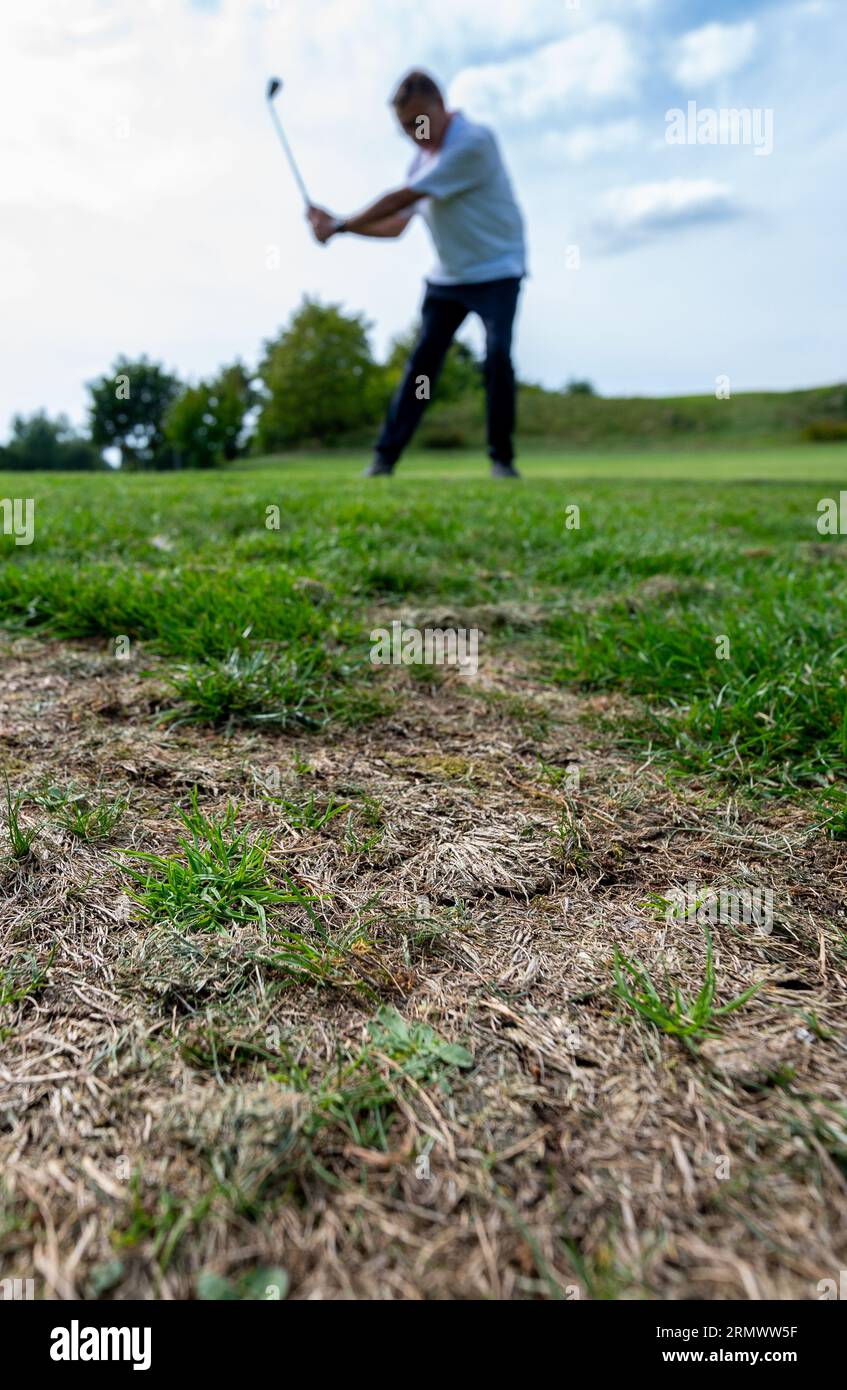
(148, 1133)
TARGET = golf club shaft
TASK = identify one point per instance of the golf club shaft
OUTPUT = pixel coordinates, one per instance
(291, 160)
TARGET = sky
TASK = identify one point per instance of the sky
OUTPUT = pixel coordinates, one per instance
(145, 206)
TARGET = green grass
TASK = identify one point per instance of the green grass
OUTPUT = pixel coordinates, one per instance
(311, 812)
(159, 1230)
(748, 417)
(775, 707)
(271, 626)
(691, 1019)
(360, 1097)
(221, 878)
(562, 420)
(832, 810)
(269, 1285)
(21, 837)
(23, 979)
(289, 689)
(91, 820)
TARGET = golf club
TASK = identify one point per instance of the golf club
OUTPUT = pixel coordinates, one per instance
(274, 86)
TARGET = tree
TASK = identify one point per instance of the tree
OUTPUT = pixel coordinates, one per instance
(127, 411)
(460, 376)
(233, 395)
(203, 425)
(319, 378)
(579, 388)
(42, 443)
(190, 429)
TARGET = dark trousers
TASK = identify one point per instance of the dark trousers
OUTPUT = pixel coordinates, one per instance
(445, 309)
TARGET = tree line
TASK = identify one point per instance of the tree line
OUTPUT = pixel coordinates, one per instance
(317, 382)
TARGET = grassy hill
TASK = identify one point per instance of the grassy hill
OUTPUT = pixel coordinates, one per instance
(578, 421)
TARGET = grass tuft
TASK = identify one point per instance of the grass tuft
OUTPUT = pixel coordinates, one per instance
(690, 1020)
(91, 820)
(21, 837)
(220, 879)
(311, 813)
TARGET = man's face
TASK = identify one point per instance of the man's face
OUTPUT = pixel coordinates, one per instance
(424, 121)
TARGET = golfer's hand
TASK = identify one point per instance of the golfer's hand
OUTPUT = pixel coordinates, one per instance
(322, 224)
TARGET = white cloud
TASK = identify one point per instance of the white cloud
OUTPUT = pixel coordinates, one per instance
(630, 214)
(592, 141)
(597, 65)
(714, 51)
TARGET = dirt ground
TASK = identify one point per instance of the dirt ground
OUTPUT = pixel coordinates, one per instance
(151, 1138)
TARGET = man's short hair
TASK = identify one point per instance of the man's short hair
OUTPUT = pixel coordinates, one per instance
(416, 83)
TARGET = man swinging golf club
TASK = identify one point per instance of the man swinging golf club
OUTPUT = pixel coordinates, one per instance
(460, 184)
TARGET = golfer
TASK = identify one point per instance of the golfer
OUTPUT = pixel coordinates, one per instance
(459, 183)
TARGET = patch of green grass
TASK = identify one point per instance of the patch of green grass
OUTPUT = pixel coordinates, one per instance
(160, 1227)
(260, 685)
(659, 908)
(22, 979)
(272, 626)
(219, 880)
(87, 817)
(269, 1285)
(360, 844)
(361, 1096)
(244, 641)
(415, 1047)
(194, 612)
(773, 711)
(556, 776)
(571, 842)
(695, 421)
(832, 807)
(365, 823)
(52, 798)
(91, 820)
(690, 1019)
(21, 837)
(312, 813)
(370, 810)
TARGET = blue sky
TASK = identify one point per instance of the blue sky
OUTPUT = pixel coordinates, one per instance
(146, 207)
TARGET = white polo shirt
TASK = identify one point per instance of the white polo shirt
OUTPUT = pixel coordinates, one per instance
(470, 207)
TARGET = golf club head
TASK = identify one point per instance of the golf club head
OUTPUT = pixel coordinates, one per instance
(274, 84)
